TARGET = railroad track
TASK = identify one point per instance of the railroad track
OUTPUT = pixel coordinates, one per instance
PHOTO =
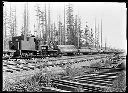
(89, 83)
(23, 67)
(58, 62)
(68, 58)
(92, 82)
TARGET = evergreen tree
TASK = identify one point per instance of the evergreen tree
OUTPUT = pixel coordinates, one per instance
(70, 25)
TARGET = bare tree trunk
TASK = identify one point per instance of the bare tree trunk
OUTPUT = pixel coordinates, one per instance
(101, 33)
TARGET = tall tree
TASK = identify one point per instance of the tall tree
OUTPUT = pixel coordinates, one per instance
(52, 36)
(4, 27)
(60, 32)
(92, 38)
(38, 21)
(70, 25)
(9, 24)
(41, 25)
(49, 26)
(95, 34)
(55, 35)
(77, 28)
(25, 27)
(101, 33)
(45, 35)
(98, 45)
(12, 21)
(79, 33)
(86, 35)
(64, 30)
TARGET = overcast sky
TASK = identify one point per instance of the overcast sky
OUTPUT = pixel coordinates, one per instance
(113, 17)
